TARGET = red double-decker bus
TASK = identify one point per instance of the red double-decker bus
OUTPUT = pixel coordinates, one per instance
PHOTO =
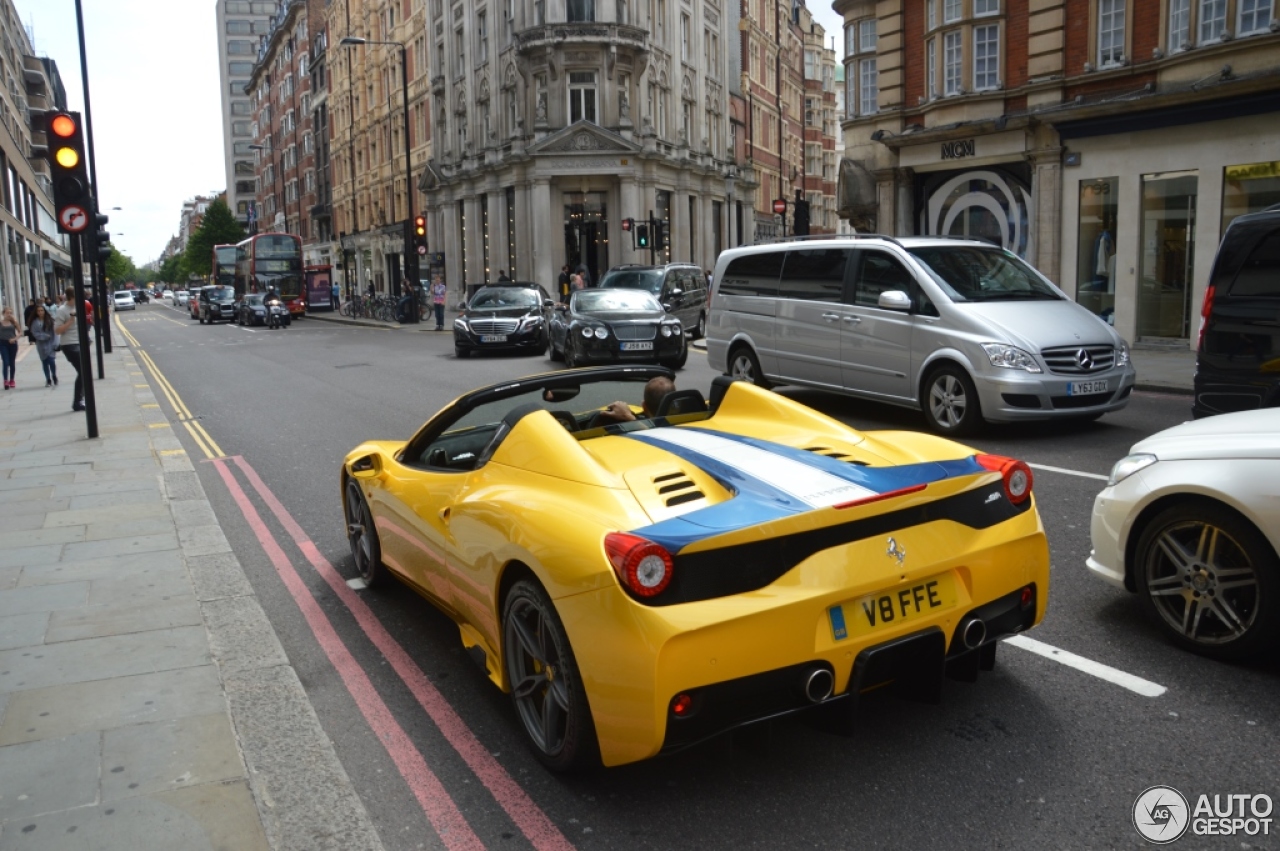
(223, 269)
(268, 261)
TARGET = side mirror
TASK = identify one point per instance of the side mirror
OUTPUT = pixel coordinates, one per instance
(366, 467)
(676, 293)
(548, 303)
(894, 300)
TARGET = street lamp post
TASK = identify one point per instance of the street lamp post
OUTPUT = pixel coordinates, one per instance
(410, 258)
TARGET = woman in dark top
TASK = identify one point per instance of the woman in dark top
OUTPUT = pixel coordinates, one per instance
(46, 343)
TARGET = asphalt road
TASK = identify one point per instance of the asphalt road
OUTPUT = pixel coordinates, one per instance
(1035, 754)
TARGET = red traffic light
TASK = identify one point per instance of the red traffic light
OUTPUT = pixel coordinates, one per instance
(63, 126)
(420, 225)
(626, 224)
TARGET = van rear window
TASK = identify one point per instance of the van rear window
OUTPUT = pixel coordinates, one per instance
(752, 275)
(1259, 277)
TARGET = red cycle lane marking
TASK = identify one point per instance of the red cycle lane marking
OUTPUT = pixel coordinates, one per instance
(527, 815)
(439, 808)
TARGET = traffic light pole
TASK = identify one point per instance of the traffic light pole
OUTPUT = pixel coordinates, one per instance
(98, 274)
(652, 255)
(100, 314)
(82, 327)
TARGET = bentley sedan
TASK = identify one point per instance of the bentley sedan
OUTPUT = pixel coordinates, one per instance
(616, 326)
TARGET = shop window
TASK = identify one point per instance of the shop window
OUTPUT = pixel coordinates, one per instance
(1249, 188)
(1167, 255)
(1096, 250)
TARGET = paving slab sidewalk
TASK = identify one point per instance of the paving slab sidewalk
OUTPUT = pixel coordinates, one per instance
(134, 714)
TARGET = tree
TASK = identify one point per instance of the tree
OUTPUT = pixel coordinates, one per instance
(120, 269)
(171, 270)
(218, 227)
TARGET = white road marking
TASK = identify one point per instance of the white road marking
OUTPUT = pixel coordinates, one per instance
(1065, 471)
(1146, 688)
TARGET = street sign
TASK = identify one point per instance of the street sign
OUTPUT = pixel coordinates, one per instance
(73, 219)
(422, 251)
(779, 205)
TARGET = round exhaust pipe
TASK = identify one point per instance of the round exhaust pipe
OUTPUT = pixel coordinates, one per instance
(818, 685)
(973, 632)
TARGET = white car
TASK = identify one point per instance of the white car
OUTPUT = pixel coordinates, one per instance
(1190, 520)
(180, 297)
(123, 300)
(167, 296)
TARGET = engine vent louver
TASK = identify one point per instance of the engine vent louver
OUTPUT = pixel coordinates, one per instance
(677, 489)
(836, 454)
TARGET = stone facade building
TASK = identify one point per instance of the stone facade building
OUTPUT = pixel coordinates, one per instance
(1108, 142)
(240, 26)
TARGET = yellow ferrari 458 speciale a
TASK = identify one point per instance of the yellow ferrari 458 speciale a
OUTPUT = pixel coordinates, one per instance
(639, 586)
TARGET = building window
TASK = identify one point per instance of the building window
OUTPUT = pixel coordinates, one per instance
(622, 12)
(684, 37)
(582, 96)
(931, 49)
(867, 36)
(580, 11)
(986, 57)
(951, 11)
(1255, 16)
(850, 93)
(812, 159)
(931, 12)
(1213, 20)
(482, 37)
(539, 12)
(460, 42)
(1111, 32)
(850, 39)
(1179, 25)
(982, 8)
(868, 87)
(1096, 260)
(951, 58)
(810, 65)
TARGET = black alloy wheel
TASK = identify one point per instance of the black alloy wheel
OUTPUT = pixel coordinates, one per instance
(546, 686)
(1210, 580)
(744, 365)
(366, 551)
(950, 402)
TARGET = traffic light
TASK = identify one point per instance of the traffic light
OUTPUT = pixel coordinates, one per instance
(801, 227)
(98, 241)
(659, 236)
(627, 224)
(420, 234)
(642, 235)
(72, 196)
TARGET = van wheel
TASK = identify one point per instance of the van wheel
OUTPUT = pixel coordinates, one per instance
(951, 402)
(744, 365)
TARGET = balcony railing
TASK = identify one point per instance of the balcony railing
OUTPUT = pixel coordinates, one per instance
(562, 34)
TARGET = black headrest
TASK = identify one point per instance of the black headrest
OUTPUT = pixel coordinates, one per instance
(681, 402)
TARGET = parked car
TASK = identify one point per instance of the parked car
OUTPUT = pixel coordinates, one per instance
(616, 326)
(504, 317)
(681, 288)
(960, 329)
(216, 303)
(643, 586)
(1238, 361)
(123, 300)
(1190, 521)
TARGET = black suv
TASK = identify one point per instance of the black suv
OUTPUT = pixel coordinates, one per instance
(680, 287)
(1238, 363)
(217, 303)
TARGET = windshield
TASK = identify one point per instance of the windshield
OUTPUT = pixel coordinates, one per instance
(498, 297)
(253, 299)
(601, 300)
(277, 246)
(221, 292)
(649, 280)
(970, 273)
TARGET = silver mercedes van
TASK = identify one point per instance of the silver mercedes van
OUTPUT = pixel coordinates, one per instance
(962, 330)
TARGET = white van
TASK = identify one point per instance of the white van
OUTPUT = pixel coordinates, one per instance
(960, 329)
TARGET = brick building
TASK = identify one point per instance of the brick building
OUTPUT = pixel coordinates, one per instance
(1108, 142)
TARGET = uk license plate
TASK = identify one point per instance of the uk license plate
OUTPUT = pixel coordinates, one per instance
(493, 338)
(1085, 388)
(644, 346)
(891, 608)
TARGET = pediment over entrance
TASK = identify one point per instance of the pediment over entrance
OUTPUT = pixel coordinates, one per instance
(583, 137)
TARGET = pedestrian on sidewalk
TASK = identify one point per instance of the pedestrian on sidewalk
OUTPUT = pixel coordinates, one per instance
(438, 293)
(564, 283)
(46, 341)
(67, 328)
(10, 331)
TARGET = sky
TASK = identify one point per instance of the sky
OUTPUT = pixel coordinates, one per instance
(156, 98)
(157, 104)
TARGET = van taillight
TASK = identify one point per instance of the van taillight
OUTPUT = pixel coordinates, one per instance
(1205, 310)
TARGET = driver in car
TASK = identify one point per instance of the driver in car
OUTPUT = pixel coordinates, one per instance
(654, 390)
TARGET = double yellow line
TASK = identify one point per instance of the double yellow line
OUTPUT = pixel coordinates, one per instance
(198, 434)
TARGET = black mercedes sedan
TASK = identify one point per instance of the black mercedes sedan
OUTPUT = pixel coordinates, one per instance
(616, 326)
(511, 316)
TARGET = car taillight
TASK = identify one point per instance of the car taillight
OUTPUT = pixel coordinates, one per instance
(645, 568)
(1016, 475)
(1205, 310)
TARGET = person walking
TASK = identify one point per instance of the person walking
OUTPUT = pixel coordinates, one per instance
(438, 293)
(67, 327)
(563, 283)
(576, 282)
(585, 274)
(10, 331)
(46, 340)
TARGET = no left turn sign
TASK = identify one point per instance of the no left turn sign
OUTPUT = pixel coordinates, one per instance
(73, 219)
